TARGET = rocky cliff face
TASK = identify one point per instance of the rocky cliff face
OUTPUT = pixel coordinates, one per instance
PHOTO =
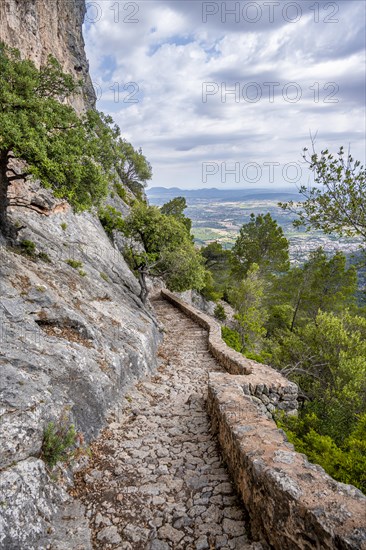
(39, 28)
(73, 331)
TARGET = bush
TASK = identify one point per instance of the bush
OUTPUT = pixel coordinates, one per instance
(58, 440)
(220, 312)
(261, 357)
(28, 247)
(121, 192)
(346, 463)
(209, 291)
(232, 338)
(111, 220)
(137, 189)
(74, 263)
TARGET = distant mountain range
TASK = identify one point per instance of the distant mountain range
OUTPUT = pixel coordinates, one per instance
(164, 193)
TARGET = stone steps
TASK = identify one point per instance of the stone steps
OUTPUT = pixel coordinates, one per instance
(156, 480)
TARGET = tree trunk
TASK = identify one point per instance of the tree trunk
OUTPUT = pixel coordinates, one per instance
(299, 298)
(144, 290)
(4, 226)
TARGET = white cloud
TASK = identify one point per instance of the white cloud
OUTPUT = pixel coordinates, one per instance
(170, 53)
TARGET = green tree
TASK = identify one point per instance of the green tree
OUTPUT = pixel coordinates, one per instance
(328, 361)
(261, 241)
(176, 207)
(132, 167)
(345, 462)
(248, 299)
(160, 246)
(76, 156)
(216, 256)
(322, 283)
(336, 203)
(59, 148)
(218, 262)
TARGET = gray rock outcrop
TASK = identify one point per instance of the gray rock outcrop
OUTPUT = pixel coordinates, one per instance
(73, 338)
(73, 332)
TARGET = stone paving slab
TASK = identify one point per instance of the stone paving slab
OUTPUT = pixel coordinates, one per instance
(157, 480)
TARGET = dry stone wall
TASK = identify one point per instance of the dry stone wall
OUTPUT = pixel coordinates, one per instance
(292, 503)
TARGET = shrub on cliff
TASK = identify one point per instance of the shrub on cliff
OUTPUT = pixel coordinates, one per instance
(58, 440)
(220, 313)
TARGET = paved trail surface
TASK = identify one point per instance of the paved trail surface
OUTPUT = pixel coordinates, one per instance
(157, 481)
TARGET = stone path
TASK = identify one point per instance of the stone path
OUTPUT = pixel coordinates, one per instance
(156, 480)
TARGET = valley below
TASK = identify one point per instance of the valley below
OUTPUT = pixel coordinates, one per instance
(218, 214)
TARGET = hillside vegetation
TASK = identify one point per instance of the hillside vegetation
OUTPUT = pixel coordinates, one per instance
(305, 321)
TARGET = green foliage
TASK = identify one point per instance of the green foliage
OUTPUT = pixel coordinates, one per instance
(248, 299)
(335, 203)
(218, 262)
(121, 192)
(346, 463)
(28, 247)
(60, 148)
(209, 290)
(58, 440)
(75, 156)
(175, 208)
(63, 226)
(161, 247)
(132, 167)
(321, 283)
(75, 264)
(111, 219)
(261, 241)
(232, 338)
(220, 313)
(328, 361)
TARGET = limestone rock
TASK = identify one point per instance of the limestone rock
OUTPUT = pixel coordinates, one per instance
(39, 28)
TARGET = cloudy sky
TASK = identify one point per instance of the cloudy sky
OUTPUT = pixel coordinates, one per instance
(224, 94)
